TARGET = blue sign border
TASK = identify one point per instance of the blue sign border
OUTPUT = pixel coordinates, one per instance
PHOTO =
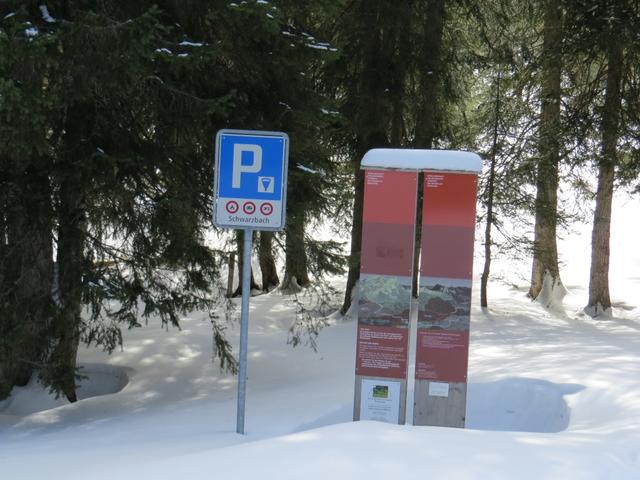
(251, 134)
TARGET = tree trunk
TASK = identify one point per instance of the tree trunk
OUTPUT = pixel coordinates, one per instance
(356, 236)
(599, 300)
(240, 249)
(296, 274)
(71, 240)
(545, 269)
(6, 377)
(426, 127)
(72, 232)
(379, 25)
(401, 65)
(232, 265)
(484, 278)
(26, 274)
(268, 268)
(375, 140)
(430, 74)
(26, 240)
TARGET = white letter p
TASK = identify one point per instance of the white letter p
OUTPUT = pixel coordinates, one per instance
(238, 168)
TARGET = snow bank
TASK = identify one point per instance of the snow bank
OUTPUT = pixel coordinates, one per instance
(370, 450)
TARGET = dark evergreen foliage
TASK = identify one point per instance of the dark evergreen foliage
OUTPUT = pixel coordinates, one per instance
(108, 112)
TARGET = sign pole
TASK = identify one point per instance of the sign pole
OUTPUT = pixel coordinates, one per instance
(244, 327)
(250, 192)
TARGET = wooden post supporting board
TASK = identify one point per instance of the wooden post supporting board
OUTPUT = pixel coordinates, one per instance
(444, 300)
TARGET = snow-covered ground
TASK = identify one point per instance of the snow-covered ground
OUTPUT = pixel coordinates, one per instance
(551, 396)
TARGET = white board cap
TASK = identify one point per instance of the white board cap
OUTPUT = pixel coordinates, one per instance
(415, 159)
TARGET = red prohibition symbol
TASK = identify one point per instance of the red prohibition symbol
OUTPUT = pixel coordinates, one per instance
(249, 208)
(266, 208)
(232, 206)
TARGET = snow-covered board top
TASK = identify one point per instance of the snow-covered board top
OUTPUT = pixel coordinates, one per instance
(414, 159)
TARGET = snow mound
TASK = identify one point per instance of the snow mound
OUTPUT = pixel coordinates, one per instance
(508, 405)
(519, 405)
(98, 379)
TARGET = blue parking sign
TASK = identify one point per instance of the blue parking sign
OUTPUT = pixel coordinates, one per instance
(250, 187)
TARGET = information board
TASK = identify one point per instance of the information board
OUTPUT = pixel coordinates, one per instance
(444, 300)
(384, 301)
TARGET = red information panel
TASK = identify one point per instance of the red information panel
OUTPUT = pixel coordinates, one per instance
(444, 301)
(388, 222)
(387, 249)
(386, 262)
(390, 197)
(448, 225)
(447, 251)
(442, 355)
(449, 199)
(382, 351)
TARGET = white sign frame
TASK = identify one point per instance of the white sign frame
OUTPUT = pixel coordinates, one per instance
(250, 212)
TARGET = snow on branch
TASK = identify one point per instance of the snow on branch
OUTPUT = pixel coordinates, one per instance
(45, 14)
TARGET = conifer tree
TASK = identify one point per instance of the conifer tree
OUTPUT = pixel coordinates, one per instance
(366, 72)
(545, 271)
(502, 116)
(128, 190)
(605, 34)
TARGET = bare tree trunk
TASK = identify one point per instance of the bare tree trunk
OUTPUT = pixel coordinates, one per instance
(240, 249)
(26, 274)
(71, 241)
(484, 278)
(296, 274)
(401, 64)
(545, 251)
(599, 300)
(4, 246)
(72, 233)
(231, 267)
(426, 128)
(380, 26)
(268, 268)
(5, 381)
(6, 280)
(430, 73)
(26, 241)
(356, 237)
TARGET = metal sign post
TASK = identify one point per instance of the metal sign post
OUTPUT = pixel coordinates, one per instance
(244, 329)
(250, 193)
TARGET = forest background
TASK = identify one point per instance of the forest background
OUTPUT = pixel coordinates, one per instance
(108, 111)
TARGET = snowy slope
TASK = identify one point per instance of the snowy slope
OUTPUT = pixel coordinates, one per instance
(551, 395)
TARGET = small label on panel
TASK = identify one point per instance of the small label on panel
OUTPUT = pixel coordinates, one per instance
(375, 178)
(380, 400)
(434, 180)
(438, 389)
